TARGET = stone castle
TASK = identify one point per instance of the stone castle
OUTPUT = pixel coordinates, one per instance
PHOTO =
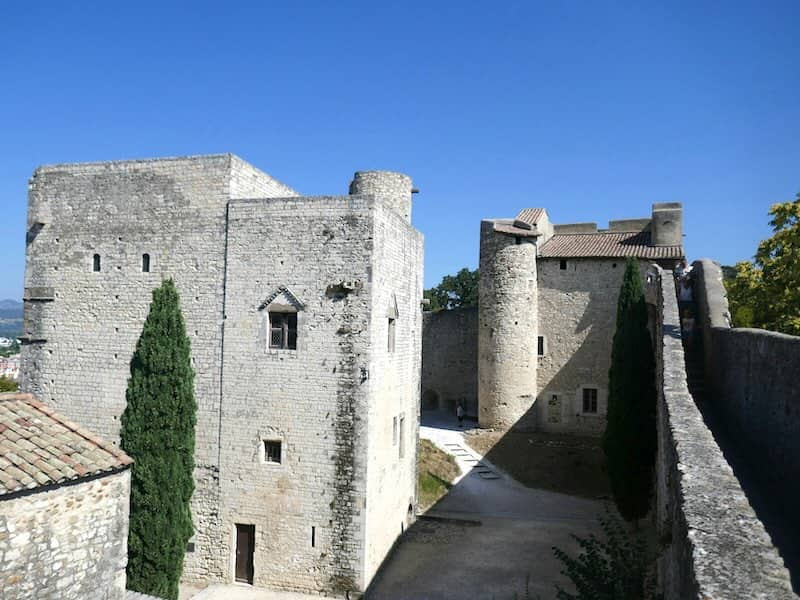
(305, 321)
(540, 342)
(311, 351)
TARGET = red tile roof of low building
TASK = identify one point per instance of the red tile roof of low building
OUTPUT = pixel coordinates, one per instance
(39, 447)
(607, 245)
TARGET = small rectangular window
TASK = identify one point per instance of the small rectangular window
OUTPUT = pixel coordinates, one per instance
(402, 444)
(562, 265)
(145, 263)
(394, 431)
(283, 330)
(272, 451)
(313, 536)
(96, 263)
(391, 335)
(540, 345)
(590, 400)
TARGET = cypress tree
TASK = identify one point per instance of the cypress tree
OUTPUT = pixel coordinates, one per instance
(157, 431)
(629, 441)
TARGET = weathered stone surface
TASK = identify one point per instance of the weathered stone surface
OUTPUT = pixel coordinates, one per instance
(236, 242)
(450, 360)
(67, 542)
(717, 546)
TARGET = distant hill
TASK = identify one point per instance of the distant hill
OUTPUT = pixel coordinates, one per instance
(10, 318)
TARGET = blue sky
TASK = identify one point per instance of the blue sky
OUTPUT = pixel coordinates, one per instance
(593, 110)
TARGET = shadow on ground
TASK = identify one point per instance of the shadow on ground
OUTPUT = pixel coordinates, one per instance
(490, 532)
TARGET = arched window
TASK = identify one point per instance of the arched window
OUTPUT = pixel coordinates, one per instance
(96, 263)
(145, 263)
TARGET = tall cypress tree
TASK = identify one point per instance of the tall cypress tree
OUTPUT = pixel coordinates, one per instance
(629, 441)
(158, 433)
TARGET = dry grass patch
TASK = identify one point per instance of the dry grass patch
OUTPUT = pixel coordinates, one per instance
(435, 473)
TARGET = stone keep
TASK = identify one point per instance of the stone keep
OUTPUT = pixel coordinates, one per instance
(305, 321)
(548, 301)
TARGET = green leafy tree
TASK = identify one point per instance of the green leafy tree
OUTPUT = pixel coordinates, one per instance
(619, 567)
(454, 291)
(629, 441)
(158, 433)
(8, 385)
(766, 292)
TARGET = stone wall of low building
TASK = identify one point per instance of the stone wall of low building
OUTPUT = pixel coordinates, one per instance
(577, 319)
(450, 360)
(66, 542)
(716, 547)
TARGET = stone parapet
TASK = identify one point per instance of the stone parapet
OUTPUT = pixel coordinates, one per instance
(718, 548)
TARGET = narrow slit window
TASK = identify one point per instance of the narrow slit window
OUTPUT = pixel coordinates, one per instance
(313, 536)
(96, 263)
(394, 431)
(401, 444)
(540, 345)
(145, 263)
(272, 451)
(283, 330)
(390, 341)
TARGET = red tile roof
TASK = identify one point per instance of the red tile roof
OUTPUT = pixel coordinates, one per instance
(530, 216)
(39, 447)
(610, 245)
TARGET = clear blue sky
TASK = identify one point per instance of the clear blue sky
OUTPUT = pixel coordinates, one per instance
(593, 110)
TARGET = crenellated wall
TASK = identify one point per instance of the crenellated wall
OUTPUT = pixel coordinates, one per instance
(716, 545)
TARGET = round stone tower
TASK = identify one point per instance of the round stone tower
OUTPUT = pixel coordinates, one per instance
(507, 330)
(395, 188)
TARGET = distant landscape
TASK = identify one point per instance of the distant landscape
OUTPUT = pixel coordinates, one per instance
(10, 318)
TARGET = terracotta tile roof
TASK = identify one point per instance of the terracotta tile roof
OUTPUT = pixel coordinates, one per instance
(599, 245)
(39, 447)
(530, 216)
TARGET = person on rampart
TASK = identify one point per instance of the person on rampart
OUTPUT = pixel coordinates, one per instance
(685, 294)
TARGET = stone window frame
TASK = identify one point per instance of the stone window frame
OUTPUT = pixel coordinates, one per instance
(599, 400)
(262, 451)
(281, 301)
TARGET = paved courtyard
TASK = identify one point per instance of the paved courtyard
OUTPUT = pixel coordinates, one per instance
(480, 542)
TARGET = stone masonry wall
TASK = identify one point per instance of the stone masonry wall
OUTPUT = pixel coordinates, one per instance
(753, 376)
(450, 360)
(716, 546)
(312, 399)
(394, 383)
(83, 325)
(577, 318)
(507, 330)
(67, 542)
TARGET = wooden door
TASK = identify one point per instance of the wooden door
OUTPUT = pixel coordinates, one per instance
(245, 545)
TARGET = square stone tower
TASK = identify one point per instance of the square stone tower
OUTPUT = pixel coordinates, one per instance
(305, 322)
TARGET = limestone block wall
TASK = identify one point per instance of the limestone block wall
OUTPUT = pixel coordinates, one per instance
(450, 359)
(314, 399)
(66, 542)
(83, 325)
(753, 375)
(394, 383)
(717, 547)
(577, 318)
(507, 330)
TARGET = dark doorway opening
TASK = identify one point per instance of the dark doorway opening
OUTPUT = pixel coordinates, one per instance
(245, 545)
(430, 400)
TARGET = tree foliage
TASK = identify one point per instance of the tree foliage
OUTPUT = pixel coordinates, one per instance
(7, 384)
(620, 567)
(157, 431)
(629, 441)
(454, 291)
(766, 291)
